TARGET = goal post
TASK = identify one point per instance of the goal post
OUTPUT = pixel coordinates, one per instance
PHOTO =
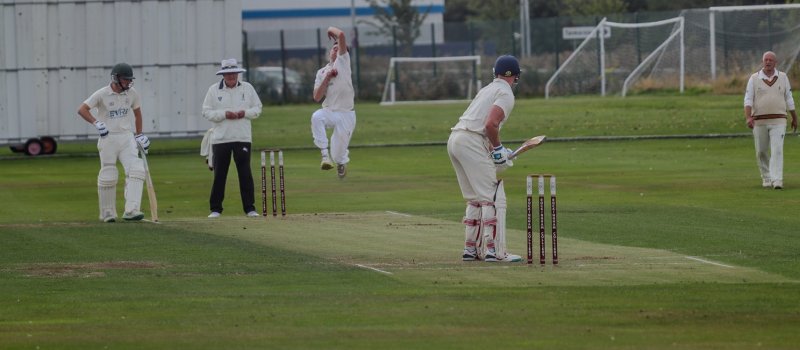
(661, 53)
(610, 59)
(419, 80)
(753, 28)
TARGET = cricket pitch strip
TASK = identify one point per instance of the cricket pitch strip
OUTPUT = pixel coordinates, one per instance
(422, 250)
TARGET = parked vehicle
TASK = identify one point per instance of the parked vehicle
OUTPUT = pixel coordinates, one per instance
(268, 82)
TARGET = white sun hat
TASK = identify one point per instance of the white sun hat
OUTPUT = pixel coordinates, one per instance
(230, 66)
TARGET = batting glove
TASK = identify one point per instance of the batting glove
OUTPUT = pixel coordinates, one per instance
(503, 167)
(143, 141)
(101, 128)
(500, 155)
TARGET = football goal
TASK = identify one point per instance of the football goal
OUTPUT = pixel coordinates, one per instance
(431, 79)
(616, 58)
(739, 35)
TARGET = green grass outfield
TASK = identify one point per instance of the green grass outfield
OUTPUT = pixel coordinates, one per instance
(664, 243)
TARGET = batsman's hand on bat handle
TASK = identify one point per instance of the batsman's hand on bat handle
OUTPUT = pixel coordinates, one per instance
(143, 141)
(101, 128)
(500, 155)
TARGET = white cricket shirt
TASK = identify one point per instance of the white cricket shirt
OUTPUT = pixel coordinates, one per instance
(497, 93)
(340, 94)
(115, 109)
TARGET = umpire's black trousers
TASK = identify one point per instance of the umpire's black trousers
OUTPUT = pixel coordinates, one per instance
(222, 161)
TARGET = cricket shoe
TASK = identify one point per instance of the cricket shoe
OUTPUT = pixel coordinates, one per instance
(133, 215)
(490, 256)
(109, 218)
(326, 163)
(341, 170)
(778, 185)
(766, 183)
(469, 255)
(214, 215)
(253, 214)
(511, 258)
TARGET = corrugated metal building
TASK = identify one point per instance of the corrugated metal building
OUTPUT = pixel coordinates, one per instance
(55, 53)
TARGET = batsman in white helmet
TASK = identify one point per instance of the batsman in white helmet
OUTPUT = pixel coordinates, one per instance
(118, 120)
(478, 155)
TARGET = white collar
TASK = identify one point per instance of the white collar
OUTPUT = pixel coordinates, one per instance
(762, 75)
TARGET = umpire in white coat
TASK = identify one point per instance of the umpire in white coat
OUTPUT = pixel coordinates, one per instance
(231, 104)
(477, 155)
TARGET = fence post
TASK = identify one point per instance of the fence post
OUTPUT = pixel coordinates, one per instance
(471, 29)
(769, 30)
(394, 41)
(600, 33)
(433, 46)
(358, 60)
(394, 54)
(513, 40)
(283, 69)
(245, 56)
(320, 52)
(638, 39)
(724, 41)
(556, 39)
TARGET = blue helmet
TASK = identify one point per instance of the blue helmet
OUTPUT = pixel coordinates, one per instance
(507, 66)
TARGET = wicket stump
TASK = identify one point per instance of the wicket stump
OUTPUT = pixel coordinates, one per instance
(263, 183)
(553, 218)
(274, 188)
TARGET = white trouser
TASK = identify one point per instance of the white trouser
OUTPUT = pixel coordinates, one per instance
(477, 177)
(122, 146)
(343, 125)
(768, 136)
(476, 173)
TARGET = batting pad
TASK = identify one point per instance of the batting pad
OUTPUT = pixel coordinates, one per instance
(107, 190)
(472, 220)
(500, 227)
(134, 184)
(488, 226)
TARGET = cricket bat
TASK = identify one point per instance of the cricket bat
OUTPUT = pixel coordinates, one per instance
(151, 192)
(527, 145)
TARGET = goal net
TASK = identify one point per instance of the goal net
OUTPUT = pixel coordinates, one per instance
(431, 79)
(618, 58)
(739, 35)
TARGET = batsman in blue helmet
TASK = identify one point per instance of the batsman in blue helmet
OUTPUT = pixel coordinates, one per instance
(477, 155)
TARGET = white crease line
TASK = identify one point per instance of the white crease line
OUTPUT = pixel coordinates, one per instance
(374, 269)
(708, 262)
(396, 213)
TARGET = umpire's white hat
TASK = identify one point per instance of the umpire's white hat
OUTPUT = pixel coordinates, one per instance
(230, 66)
